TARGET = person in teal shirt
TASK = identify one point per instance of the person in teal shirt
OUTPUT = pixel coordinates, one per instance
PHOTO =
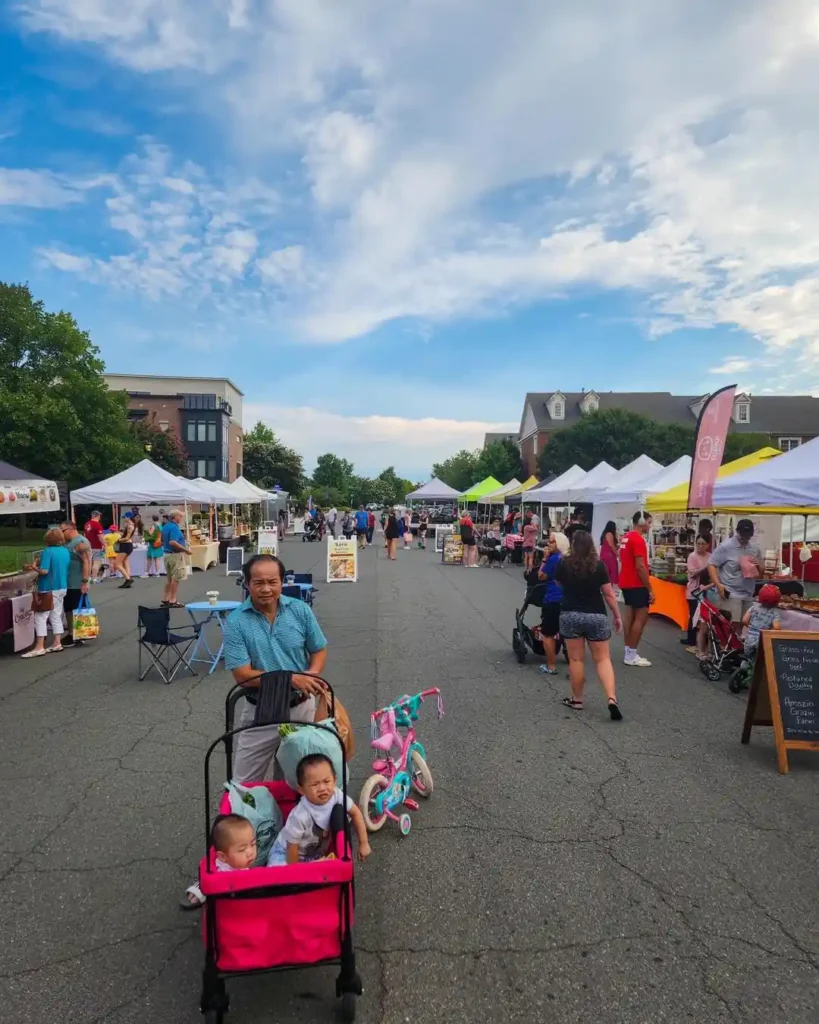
(51, 567)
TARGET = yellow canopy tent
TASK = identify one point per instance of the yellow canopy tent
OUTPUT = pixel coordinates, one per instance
(527, 485)
(675, 499)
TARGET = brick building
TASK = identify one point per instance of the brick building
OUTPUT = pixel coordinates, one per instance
(206, 413)
(786, 420)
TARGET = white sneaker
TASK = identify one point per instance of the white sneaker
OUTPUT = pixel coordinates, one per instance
(638, 662)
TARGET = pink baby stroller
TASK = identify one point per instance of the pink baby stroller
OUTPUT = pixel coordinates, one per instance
(277, 918)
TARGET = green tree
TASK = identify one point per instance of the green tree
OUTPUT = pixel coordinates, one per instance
(737, 445)
(459, 470)
(332, 472)
(57, 417)
(267, 461)
(501, 459)
(390, 488)
(616, 436)
(164, 447)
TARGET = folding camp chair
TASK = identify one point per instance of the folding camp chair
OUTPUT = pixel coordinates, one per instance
(293, 591)
(167, 650)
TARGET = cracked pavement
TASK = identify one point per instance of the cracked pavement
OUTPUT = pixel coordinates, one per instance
(566, 867)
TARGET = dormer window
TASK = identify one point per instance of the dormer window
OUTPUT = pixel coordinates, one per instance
(590, 402)
(592, 406)
(742, 413)
(557, 405)
(742, 408)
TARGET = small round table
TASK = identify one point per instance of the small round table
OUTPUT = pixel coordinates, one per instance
(213, 613)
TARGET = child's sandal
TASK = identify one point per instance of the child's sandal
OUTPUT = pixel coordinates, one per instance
(575, 705)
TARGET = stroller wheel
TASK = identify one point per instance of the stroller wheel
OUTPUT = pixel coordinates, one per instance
(710, 671)
(738, 681)
(518, 646)
(347, 1008)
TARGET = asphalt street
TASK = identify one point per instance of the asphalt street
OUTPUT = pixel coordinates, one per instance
(567, 868)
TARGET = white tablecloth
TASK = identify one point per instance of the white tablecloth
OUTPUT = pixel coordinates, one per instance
(204, 555)
(139, 562)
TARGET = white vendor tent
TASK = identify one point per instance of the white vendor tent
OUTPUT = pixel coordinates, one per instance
(141, 484)
(635, 493)
(595, 482)
(787, 484)
(260, 492)
(21, 492)
(557, 491)
(497, 497)
(244, 493)
(216, 492)
(434, 490)
(619, 502)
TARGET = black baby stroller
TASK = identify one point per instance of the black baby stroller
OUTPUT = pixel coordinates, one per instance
(311, 530)
(528, 637)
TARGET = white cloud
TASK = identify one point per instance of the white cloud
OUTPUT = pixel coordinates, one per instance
(668, 150)
(283, 265)
(38, 189)
(732, 365)
(372, 443)
(65, 261)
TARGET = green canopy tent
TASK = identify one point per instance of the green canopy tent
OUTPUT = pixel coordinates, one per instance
(471, 494)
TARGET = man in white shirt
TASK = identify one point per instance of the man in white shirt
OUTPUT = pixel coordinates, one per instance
(332, 516)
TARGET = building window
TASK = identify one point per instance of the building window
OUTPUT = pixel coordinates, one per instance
(742, 414)
(787, 444)
(558, 411)
(225, 433)
(191, 468)
(224, 469)
(201, 467)
(534, 445)
(238, 469)
(592, 406)
(202, 431)
(212, 433)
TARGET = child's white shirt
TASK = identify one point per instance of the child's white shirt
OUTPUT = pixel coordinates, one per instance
(307, 825)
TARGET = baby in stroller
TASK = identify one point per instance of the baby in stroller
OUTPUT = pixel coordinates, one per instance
(306, 833)
(234, 840)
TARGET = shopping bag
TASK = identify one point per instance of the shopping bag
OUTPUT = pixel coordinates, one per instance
(86, 621)
(300, 740)
(256, 803)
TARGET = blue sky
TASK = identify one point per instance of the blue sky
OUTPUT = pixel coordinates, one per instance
(386, 223)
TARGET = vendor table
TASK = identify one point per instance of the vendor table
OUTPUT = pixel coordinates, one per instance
(799, 622)
(16, 614)
(669, 601)
(213, 613)
(139, 561)
(204, 555)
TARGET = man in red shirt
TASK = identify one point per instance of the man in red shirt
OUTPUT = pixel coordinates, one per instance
(93, 534)
(636, 586)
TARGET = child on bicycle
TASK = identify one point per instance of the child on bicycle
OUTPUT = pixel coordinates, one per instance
(306, 833)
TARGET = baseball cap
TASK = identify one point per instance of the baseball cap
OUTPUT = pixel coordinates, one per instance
(96, 512)
(128, 515)
(745, 526)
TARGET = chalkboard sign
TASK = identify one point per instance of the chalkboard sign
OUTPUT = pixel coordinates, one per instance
(785, 692)
(234, 560)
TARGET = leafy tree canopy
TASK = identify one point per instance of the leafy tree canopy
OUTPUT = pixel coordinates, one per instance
(268, 461)
(501, 459)
(164, 447)
(57, 417)
(459, 470)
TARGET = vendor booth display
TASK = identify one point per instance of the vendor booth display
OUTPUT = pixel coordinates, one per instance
(21, 492)
(141, 484)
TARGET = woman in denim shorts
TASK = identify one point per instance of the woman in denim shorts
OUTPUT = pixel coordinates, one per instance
(583, 619)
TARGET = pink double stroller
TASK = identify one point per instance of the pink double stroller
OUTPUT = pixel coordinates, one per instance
(277, 918)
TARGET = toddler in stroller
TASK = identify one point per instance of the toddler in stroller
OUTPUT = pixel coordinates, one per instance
(763, 614)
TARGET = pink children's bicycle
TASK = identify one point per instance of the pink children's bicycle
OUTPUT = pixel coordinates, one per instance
(400, 765)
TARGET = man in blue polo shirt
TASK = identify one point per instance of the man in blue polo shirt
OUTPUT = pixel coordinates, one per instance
(271, 633)
(268, 633)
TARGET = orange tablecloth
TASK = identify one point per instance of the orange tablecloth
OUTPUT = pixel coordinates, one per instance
(669, 601)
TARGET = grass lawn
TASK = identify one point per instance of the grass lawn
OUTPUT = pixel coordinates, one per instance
(16, 551)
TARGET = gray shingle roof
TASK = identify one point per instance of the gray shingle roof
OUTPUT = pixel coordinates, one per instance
(491, 438)
(770, 414)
